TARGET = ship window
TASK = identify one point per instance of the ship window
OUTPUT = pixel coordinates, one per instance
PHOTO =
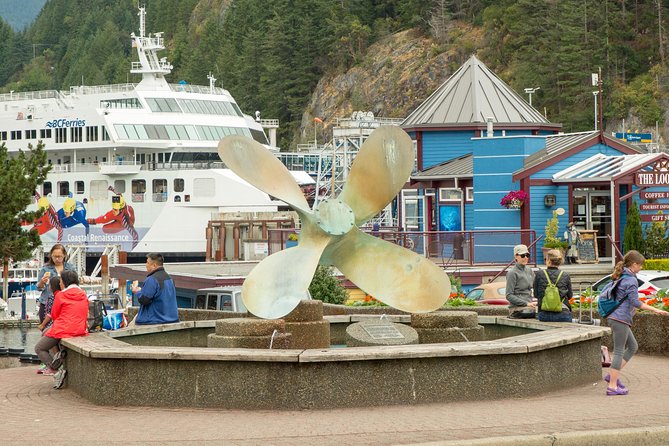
(130, 130)
(31, 134)
(76, 134)
(120, 130)
(210, 107)
(16, 134)
(187, 105)
(181, 131)
(171, 132)
(119, 186)
(237, 110)
(45, 133)
(178, 185)
(98, 189)
(198, 107)
(162, 133)
(92, 133)
(138, 186)
(3, 136)
(204, 187)
(163, 105)
(205, 131)
(61, 135)
(105, 134)
(79, 187)
(141, 131)
(63, 188)
(259, 136)
(192, 134)
(160, 190)
(46, 188)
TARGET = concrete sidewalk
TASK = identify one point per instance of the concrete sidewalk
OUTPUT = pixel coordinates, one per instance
(34, 413)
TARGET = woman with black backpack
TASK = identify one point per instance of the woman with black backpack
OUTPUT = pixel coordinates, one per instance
(557, 310)
(620, 319)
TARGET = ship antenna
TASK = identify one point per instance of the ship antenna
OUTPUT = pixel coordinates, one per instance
(142, 20)
(212, 82)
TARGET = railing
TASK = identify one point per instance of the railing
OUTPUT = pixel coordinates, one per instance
(446, 248)
(18, 96)
(188, 88)
(97, 89)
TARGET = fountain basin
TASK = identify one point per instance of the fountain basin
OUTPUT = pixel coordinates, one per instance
(106, 368)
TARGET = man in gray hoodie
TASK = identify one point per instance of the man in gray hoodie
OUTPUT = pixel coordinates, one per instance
(519, 282)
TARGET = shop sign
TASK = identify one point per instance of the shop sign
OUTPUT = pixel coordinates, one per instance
(654, 206)
(654, 217)
(653, 178)
(653, 195)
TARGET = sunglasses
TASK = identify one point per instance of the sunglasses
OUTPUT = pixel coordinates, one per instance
(526, 255)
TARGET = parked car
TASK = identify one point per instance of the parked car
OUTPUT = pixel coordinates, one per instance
(650, 281)
(489, 293)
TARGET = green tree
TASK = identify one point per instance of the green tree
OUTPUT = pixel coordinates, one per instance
(633, 234)
(21, 173)
(326, 287)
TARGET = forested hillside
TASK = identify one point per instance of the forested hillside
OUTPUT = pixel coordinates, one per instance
(271, 54)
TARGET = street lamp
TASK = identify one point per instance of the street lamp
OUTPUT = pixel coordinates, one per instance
(530, 91)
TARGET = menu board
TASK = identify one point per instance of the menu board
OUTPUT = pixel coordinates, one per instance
(587, 247)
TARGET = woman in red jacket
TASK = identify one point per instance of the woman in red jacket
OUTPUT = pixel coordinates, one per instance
(69, 314)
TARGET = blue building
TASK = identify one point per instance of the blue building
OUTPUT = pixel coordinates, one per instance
(477, 140)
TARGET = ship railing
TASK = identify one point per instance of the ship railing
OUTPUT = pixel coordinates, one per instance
(368, 123)
(60, 168)
(269, 122)
(18, 96)
(188, 88)
(181, 166)
(98, 89)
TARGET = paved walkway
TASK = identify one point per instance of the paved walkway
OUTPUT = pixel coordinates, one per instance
(34, 413)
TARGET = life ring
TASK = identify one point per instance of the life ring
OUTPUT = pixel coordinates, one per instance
(409, 244)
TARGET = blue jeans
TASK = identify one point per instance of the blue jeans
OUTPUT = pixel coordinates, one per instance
(549, 316)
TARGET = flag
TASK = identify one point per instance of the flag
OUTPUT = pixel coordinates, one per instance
(317, 119)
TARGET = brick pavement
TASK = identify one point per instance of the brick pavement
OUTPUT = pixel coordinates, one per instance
(34, 413)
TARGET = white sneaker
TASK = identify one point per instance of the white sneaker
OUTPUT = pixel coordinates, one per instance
(59, 378)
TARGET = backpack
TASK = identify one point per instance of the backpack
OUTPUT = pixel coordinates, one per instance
(96, 315)
(551, 300)
(607, 303)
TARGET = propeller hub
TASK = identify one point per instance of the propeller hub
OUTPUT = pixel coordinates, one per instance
(334, 216)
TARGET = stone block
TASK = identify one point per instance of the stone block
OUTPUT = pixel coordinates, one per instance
(445, 319)
(309, 334)
(306, 311)
(249, 327)
(281, 341)
(377, 332)
(440, 335)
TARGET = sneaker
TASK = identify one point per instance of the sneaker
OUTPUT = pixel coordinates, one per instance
(620, 385)
(49, 372)
(59, 378)
(41, 369)
(58, 359)
(614, 392)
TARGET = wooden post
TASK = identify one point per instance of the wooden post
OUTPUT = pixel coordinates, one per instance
(5, 279)
(105, 274)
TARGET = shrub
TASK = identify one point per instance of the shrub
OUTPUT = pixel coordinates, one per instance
(633, 234)
(326, 287)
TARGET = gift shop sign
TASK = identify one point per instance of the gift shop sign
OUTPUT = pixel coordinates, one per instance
(652, 178)
(654, 217)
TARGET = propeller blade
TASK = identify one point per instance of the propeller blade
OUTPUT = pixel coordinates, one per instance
(379, 171)
(256, 165)
(392, 274)
(279, 282)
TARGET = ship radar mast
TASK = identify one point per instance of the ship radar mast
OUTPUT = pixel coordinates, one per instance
(152, 69)
(212, 82)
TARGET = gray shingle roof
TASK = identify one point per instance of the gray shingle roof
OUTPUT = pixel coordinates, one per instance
(461, 167)
(472, 94)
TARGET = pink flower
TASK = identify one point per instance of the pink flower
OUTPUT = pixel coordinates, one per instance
(514, 199)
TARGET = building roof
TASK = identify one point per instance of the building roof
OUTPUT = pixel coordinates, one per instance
(602, 167)
(471, 95)
(462, 167)
(559, 145)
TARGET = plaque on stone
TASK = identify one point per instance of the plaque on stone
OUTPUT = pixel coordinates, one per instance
(382, 331)
(376, 332)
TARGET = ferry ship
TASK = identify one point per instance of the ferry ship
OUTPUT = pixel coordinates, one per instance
(136, 165)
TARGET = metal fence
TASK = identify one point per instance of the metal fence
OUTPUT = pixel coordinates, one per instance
(446, 248)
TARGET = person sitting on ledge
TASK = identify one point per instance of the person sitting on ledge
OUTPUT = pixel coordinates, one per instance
(519, 281)
(561, 280)
(158, 297)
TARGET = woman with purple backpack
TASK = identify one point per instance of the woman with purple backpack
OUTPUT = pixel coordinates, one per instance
(620, 320)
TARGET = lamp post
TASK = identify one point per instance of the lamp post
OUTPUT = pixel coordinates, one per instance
(595, 93)
(531, 91)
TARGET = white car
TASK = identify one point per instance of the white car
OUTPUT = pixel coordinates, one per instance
(650, 281)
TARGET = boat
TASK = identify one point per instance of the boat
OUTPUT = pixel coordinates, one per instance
(22, 276)
(14, 307)
(136, 165)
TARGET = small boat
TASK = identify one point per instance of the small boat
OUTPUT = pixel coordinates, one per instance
(13, 310)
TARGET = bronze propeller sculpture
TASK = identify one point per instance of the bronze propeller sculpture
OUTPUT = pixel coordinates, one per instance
(330, 234)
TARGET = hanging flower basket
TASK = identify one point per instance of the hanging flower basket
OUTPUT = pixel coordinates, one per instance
(514, 199)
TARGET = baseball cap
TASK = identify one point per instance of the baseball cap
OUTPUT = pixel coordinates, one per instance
(520, 249)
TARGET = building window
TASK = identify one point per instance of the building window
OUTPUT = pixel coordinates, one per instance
(469, 194)
(450, 195)
(78, 187)
(16, 134)
(31, 134)
(45, 133)
(46, 188)
(178, 185)
(63, 188)
(3, 136)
